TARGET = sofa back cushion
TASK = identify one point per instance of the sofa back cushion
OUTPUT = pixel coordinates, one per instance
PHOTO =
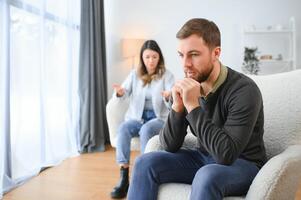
(281, 95)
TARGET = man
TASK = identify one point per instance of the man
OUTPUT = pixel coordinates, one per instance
(223, 109)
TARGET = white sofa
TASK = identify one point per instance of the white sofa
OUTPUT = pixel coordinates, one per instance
(279, 178)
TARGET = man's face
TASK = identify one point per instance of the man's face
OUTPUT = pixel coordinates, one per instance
(197, 58)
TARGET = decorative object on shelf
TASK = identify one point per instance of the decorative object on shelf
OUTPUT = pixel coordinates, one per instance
(266, 57)
(251, 62)
(130, 48)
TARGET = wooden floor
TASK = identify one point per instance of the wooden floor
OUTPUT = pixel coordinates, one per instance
(86, 177)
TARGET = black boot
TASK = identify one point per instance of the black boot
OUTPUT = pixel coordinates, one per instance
(121, 189)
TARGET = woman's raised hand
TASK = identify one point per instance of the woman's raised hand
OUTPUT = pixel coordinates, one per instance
(118, 89)
(166, 94)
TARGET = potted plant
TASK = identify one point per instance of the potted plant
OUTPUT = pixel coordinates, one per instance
(251, 62)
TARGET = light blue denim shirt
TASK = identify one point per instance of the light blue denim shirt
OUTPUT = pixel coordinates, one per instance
(134, 90)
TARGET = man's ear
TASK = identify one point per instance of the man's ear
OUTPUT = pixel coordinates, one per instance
(216, 53)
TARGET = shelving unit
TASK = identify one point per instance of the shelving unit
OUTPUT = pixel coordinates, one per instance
(278, 43)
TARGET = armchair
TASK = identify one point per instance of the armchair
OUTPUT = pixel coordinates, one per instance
(115, 111)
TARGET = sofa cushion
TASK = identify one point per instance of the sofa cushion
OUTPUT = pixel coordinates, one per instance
(167, 192)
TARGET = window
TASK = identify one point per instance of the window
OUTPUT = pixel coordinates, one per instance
(43, 66)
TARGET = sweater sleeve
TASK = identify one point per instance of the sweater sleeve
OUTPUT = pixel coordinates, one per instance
(127, 85)
(174, 131)
(225, 143)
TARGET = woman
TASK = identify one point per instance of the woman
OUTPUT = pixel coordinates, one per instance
(148, 88)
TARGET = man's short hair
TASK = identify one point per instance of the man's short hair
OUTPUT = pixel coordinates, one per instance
(204, 28)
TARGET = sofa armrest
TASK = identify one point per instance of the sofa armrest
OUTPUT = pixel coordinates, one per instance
(153, 144)
(279, 178)
(115, 111)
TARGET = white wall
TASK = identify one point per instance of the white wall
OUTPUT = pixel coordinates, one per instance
(161, 19)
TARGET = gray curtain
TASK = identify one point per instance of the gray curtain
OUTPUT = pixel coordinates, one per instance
(93, 129)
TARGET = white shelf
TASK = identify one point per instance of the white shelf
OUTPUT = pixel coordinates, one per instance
(275, 61)
(265, 31)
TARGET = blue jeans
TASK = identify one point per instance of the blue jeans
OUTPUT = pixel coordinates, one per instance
(208, 179)
(146, 129)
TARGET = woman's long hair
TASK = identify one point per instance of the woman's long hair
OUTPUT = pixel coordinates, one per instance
(160, 69)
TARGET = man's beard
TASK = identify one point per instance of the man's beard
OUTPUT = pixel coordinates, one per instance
(204, 76)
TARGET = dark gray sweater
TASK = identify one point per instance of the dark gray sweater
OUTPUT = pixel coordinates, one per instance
(228, 124)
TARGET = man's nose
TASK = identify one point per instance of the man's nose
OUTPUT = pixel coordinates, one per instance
(186, 62)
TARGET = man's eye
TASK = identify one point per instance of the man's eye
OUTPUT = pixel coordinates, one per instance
(194, 54)
(181, 55)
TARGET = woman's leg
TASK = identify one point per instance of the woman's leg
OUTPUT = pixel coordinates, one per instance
(148, 130)
(126, 131)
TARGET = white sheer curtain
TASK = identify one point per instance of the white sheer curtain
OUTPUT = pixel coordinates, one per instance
(38, 86)
(3, 90)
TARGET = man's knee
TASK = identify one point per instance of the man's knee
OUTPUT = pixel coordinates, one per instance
(207, 176)
(146, 160)
(206, 185)
(149, 164)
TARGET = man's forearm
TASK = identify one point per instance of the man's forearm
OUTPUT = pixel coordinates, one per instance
(174, 131)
